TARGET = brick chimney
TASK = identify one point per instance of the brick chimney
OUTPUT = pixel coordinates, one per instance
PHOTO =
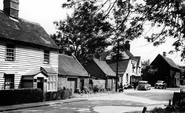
(127, 46)
(164, 54)
(11, 8)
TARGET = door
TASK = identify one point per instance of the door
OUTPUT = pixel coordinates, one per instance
(72, 84)
(81, 83)
(40, 83)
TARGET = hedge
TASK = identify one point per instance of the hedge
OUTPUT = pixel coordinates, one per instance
(19, 96)
(61, 94)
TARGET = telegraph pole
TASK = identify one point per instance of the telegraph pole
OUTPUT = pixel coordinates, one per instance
(117, 61)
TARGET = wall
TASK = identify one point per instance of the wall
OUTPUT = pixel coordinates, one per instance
(62, 82)
(27, 58)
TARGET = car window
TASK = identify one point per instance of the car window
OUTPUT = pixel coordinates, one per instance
(160, 81)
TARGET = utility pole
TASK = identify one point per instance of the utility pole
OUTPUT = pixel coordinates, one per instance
(117, 61)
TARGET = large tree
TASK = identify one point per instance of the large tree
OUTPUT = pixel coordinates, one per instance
(85, 33)
(92, 23)
(169, 17)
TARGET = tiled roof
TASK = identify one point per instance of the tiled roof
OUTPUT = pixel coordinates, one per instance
(122, 65)
(129, 54)
(170, 62)
(24, 31)
(69, 65)
(104, 67)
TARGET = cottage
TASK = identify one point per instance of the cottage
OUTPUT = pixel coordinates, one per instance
(128, 67)
(100, 70)
(165, 69)
(72, 74)
(28, 56)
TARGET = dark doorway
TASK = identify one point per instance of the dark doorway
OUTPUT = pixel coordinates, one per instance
(40, 83)
(81, 83)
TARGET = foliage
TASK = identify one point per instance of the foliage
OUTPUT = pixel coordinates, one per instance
(92, 23)
(167, 15)
(84, 34)
(148, 71)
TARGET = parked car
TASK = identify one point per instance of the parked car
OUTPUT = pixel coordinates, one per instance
(143, 85)
(160, 84)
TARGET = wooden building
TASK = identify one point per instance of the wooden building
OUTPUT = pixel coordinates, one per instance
(100, 70)
(27, 53)
(72, 74)
(165, 69)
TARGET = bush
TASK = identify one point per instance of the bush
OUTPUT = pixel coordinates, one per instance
(19, 96)
(61, 94)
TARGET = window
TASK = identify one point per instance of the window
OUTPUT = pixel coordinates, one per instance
(9, 81)
(46, 56)
(10, 52)
(52, 82)
(127, 77)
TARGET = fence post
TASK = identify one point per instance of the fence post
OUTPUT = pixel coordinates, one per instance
(144, 110)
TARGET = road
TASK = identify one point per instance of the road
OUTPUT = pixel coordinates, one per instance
(128, 101)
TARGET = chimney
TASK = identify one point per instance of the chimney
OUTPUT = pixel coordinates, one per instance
(11, 8)
(127, 46)
(164, 54)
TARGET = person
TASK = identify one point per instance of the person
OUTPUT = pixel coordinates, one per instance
(135, 85)
(121, 87)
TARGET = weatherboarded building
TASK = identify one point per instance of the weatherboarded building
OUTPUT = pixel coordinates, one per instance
(72, 74)
(165, 69)
(28, 56)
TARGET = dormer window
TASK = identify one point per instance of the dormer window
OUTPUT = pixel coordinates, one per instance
(10, 52)
(46, 56)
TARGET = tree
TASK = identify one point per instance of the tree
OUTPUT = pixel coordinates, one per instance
(167, 15)
(148, 71)
(84, 34)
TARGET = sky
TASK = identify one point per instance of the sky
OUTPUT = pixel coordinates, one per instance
(45, 12)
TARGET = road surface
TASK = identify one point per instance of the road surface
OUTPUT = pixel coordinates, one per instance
(128, 101)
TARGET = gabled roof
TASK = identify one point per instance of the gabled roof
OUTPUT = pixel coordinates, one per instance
(122, 65)
(138, 59)
(168, 61)
(104, 67)
(69, 65)
(24, 31)
(129, 54)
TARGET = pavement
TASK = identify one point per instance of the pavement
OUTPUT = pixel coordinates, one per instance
(38, 104)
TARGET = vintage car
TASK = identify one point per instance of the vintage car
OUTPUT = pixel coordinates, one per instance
(143, 85)
(160, 84)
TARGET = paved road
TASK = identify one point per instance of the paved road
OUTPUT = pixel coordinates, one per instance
(128, 101)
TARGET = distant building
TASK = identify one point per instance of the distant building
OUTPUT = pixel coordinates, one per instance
(166, 70)
(100, 70)
(129, 66)
(72, 74)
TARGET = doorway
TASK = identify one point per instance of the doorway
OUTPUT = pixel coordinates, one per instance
(40, 83)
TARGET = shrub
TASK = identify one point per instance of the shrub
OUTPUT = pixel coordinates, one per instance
(61, 94)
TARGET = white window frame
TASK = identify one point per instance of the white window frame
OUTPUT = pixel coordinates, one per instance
(52, 82)
(46, 56)
(10, 52)
(9, 81)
